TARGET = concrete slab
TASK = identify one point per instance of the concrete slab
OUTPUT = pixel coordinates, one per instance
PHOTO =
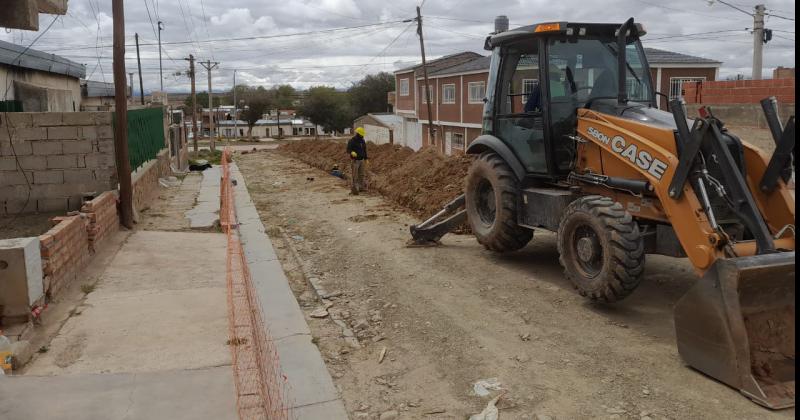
(205, 214)
(160, 305)
(326, 410)
(187, 394)
(307, 373)
(281, 311)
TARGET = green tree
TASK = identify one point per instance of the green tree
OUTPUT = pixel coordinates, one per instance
(327, 107)
(284, 96)
(202, 101)
(370, 94)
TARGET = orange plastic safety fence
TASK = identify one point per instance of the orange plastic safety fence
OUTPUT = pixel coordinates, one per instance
(262, 390)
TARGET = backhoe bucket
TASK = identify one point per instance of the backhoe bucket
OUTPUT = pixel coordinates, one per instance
(737, 326)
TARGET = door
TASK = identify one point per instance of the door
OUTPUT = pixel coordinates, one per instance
(518, 119)
(448, 143)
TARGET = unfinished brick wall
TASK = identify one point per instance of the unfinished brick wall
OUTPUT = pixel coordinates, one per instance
(145, 180)
(739, 91)
(103, 218)
(65, 251)
(63, 156)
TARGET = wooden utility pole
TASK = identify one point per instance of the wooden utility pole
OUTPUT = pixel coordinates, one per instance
(139, 60)
(121, 113)
(431, 131)
(194, 102)
(210, 66)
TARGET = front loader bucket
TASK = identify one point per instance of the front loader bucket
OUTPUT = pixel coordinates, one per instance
(737, 326)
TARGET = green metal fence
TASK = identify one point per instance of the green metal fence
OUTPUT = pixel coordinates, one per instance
(145, 135)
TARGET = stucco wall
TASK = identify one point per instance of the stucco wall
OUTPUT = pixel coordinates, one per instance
(64, 92)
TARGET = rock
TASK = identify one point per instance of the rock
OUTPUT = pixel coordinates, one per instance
(361, 415)
(525, 337)
(542, 417)
(376, 318)
(361, 325)
(319, 313)
(389, 415)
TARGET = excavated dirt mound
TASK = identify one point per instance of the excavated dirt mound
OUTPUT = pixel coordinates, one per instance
(423, 182)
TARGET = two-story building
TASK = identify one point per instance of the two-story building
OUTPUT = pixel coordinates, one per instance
(458, 87)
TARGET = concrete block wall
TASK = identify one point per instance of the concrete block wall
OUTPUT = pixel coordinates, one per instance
(63, 156)
(65, 252)
(103, 218)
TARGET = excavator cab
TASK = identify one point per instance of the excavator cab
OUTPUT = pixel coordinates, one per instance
(573, 143)
(542, 74)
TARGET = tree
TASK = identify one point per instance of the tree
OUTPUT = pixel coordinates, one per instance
(257, 101)
(370, 94)
(284, 96)
(202, 100)
(327, 107)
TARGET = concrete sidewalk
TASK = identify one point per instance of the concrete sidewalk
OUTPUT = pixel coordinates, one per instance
(148, 342)
(313, 392)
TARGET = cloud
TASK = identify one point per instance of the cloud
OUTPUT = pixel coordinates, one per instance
(339, 57)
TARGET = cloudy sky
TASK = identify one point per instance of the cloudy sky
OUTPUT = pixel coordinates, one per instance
(336, 42)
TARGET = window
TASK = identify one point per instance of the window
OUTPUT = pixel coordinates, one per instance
(458, 141)
(424, 96)
(528, 86)
(403, 87)
(477, 91)
(449, 94)
(676, 85)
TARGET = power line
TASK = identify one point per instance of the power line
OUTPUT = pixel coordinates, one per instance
(734, 7)
(250, 38)
(152, 25)
(779, 17)
(694, 34)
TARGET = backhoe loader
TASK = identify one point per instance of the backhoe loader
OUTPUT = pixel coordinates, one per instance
(587, 153)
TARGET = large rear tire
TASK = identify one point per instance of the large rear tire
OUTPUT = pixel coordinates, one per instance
(601, 248)
(491, 201)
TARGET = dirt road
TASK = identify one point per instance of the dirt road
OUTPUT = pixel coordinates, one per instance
(456, 314)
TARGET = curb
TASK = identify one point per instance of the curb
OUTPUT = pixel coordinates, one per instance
(314, 394)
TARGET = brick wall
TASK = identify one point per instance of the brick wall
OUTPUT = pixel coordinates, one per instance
(101, 212)
(145, 180)
(739, 91)
(63, 156)
(64, 252)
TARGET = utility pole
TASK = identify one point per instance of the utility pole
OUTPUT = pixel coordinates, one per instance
(130, 80)
(431, 131)
(121, 113)
(160, 67)
(194, 102)
(235, 106)
(139, 60)
(210, 66)
(758, 40)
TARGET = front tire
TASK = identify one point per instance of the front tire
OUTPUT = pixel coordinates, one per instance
(491, 201)
(601, 248)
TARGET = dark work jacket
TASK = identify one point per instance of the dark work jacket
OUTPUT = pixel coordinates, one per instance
(358, 145)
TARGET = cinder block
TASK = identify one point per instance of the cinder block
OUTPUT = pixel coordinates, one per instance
(78, 146)
(106, 178)
(79, 118)
(48, 177)
(16, 178)
(17, 147)
(79, 176)
(47, 119)
(106, 147)
(19, 205)
(19, 119)
(62, 162)
(62, 133)
(33, 163)
(105, 132)
(47, 147)
(52, 204)
(87, 133)
(7, 164)
(99, 161)
(22, 276)
(104, 118)
(30, 133)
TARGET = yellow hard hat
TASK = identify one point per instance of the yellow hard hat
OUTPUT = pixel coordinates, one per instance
(361, 132)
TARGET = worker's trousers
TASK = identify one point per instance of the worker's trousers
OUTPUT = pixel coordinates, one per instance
(357, 176)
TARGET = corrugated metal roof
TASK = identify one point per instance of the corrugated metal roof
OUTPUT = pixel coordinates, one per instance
(15, 55)
(391, 120)
(95, 89)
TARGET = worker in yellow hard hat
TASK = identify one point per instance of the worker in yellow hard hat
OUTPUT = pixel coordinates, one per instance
(357, 149)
